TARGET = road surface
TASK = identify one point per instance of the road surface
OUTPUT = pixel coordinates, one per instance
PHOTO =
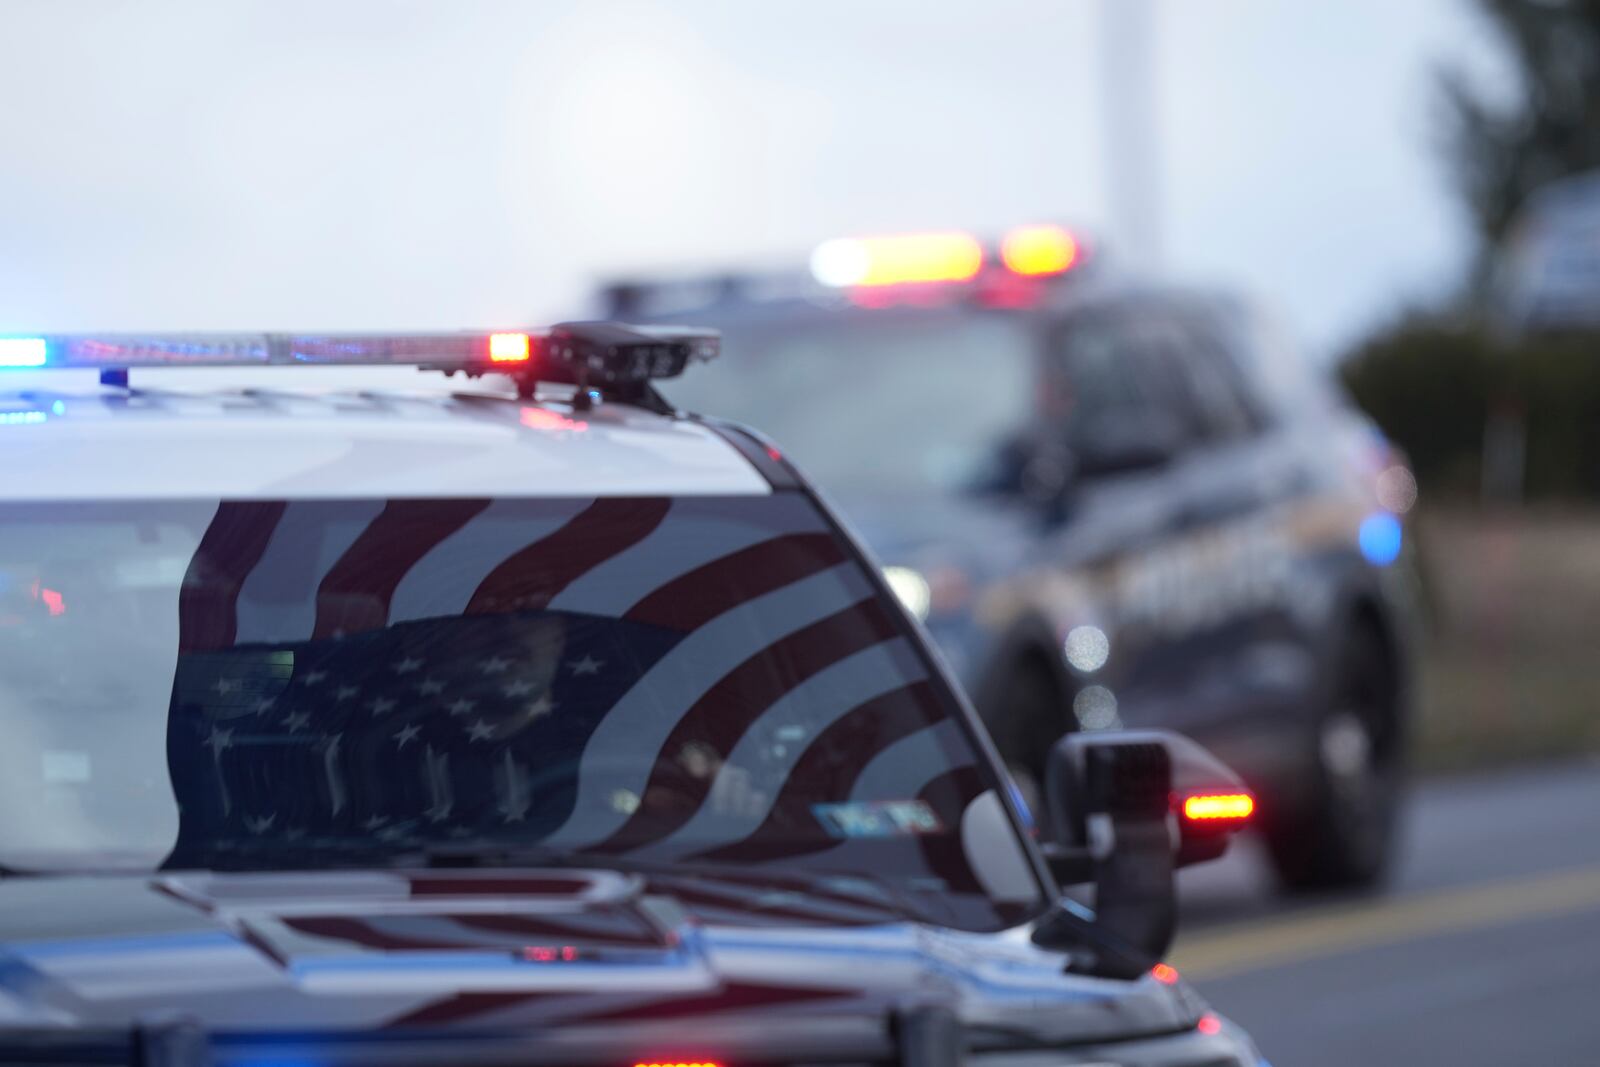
(1486, 951)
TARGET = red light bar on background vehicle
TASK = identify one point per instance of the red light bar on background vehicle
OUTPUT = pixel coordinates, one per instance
(907, 259)
(942, 257)
(1218, 807)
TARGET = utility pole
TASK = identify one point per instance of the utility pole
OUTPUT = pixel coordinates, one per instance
(1131, 134)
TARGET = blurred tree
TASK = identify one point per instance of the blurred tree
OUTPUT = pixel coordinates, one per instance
(1502, 151)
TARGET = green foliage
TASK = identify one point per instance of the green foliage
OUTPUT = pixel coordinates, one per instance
(1433, 385)
(1501, 151)
(1556, 384)
(1427, 385)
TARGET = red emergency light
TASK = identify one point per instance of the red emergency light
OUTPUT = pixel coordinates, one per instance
(510, 348)
(1218, 808)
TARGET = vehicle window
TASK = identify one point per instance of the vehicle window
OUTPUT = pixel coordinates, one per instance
(1203, 365)
(1107, 385)
(889, 402)
(1098, 373)
(270, 685)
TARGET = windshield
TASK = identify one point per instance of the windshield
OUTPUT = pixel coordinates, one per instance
(932, 397)
(271, 685)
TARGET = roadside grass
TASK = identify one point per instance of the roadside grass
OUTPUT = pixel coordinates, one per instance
(1511, 665)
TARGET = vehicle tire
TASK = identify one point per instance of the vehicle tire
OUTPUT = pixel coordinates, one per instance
(1343, 837)
(1027, 720)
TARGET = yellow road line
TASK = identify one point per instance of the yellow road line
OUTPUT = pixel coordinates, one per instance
(1326, 932)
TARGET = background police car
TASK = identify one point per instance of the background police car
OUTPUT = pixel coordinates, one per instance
(1112, 503)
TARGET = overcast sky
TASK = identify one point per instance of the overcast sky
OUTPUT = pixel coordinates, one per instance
(396, 164)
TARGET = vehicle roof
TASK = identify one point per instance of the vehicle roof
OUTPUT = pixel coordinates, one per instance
(294, 433)
(732, 308)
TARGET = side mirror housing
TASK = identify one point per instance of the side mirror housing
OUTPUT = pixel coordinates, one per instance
(1126, 809)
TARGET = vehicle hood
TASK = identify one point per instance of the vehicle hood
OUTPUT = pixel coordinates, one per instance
(584, 959)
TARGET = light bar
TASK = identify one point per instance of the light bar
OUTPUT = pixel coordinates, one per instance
(1039, 250)
(509, 348)
(1216, 807)
(601, 353)
(900, 260)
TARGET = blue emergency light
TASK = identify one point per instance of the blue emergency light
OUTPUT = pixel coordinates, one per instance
(22, 351)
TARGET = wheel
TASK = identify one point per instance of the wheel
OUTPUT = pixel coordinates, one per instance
(1029, 717)
(1343, 836)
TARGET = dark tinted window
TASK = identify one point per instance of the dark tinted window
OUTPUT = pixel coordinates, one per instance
(1111, 389)
(1211, 370)
(1097, 374)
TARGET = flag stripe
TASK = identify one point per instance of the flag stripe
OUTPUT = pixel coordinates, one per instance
(462, 1006)
(697, 531)
(905, 768)
(278, 601)
(691, 600)
(815, 704)
(900, 770)
(442, 582)
(848, 744)
(633, 733)
(946, 854)
(719, 718)
(355, 593)
(369, 934)
(530, 577)
(229, 550)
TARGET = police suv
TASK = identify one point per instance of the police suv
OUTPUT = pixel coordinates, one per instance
(360, 717)
(1110, 503)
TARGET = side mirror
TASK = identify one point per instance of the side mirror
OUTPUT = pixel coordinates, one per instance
(1127, 808)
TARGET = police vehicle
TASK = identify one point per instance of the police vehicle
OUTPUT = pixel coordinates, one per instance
(361, 717)
(1110, 503)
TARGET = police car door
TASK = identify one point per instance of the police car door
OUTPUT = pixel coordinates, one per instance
(1211, 587)
(1102, 391)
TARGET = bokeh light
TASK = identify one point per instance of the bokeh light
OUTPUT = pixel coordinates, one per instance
(1096, 708)
(1087, 648)
(1380, 538)
(1397, 489)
